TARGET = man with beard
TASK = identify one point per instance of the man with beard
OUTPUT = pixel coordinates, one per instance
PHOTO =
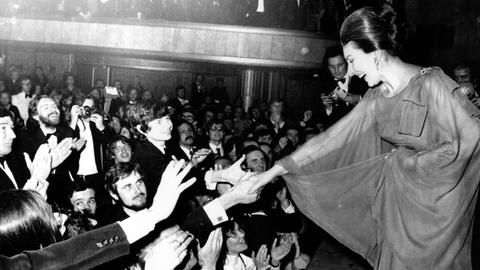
(126, 186)
(47, 129)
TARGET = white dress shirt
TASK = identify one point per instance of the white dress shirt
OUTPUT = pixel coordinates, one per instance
(21, 101)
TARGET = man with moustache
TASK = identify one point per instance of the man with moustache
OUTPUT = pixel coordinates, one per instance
(183, 146)
(125, 184)
(47, 129)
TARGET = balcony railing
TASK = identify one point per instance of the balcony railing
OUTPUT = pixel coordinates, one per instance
(240, 45)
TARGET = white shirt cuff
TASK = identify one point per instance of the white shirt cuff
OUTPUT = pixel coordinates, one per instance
(290, 209)
(208, 181)
(215, 212)
(137, 226)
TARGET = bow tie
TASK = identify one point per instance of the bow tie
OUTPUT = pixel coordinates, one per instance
(49, 135)
(342, 80)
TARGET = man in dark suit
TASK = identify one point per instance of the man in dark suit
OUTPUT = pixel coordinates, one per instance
(151, 152)
(46, 127)
(110, 242)
(215, 132)
(180, 98)
(346, 87)
(14, 170)
(344, 91)
(199, 91)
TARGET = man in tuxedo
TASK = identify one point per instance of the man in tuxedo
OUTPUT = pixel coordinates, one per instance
(180, 99)
(345, 87)
(343, 90)
(22, 99)
(17, 169)
(215, 133)
(47, 129)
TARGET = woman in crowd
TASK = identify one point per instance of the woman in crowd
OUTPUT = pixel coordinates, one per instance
(396, 179)
(231, 257)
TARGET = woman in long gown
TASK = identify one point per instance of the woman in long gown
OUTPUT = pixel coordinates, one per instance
(396, 179)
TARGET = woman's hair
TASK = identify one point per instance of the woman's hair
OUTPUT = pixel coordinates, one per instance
(228, 228)
(372, 29)
(27, 222)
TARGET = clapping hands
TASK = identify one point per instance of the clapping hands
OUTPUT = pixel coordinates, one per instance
(48, 157)
(209, 253)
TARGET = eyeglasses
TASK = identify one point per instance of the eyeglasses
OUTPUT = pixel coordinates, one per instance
(217, 129)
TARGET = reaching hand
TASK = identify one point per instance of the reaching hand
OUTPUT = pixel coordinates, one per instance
(169, 189)
(278, 252)
(61, 151)
(200, 156)
(242, 192)
(209, 253)
(262, 259)
(233, 173)
(168, 250)
(264, 178)
(282, 197)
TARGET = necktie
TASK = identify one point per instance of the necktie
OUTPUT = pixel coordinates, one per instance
(190, 153)
(218, 151)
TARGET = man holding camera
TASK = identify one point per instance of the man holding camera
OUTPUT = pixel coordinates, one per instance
(88, 121)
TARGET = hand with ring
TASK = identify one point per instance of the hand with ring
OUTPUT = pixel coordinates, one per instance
(168, 250)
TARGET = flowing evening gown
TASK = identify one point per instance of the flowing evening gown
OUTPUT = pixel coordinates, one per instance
(396, 179)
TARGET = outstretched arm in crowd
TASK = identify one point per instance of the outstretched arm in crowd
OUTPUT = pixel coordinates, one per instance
(110, 242)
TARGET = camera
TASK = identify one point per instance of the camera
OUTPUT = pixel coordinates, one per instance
(87, 111)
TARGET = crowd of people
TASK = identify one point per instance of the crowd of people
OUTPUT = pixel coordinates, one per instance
(111, 177)
(97, 157)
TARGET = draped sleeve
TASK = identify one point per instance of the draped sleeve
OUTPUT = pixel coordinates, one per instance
(410, 208)
(333, 178)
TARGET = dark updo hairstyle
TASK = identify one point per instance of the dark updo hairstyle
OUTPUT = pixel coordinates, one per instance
(374, 29)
